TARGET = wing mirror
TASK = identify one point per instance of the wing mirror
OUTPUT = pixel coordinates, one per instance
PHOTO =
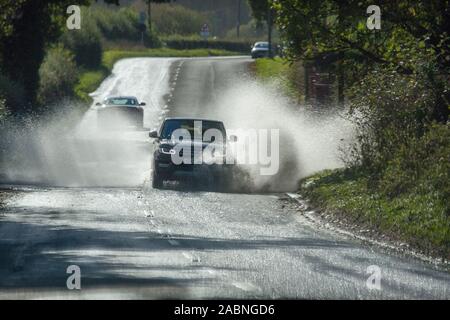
(98, 104)
(233, 138)
(153, 134)
(142, 104)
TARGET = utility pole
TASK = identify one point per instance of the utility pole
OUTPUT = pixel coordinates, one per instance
(238, 19)
(149, 14)
(269, 25)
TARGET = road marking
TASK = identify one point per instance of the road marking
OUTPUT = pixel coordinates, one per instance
(211, 271)
(187, 255)
(174, 243)
(190, 257)
(246, 286)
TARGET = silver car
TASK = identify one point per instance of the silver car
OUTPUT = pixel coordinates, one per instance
(260, 50)
(120, 112)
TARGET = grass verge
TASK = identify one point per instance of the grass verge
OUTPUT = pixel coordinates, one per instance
(418, 219)
(91, 79)
(289, 77)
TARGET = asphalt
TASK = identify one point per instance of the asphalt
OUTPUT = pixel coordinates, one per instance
(133, 242)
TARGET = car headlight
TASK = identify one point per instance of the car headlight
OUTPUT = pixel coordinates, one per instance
(166, 150)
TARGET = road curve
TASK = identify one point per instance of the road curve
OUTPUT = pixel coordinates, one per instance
(133, 242)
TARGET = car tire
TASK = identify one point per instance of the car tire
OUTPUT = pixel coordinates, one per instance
(157, 181)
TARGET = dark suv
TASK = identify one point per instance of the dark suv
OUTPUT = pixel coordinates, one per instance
(187, 147)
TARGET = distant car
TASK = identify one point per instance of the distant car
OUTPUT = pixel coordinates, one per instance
(120, 112)
(193, 149)
(260, 50)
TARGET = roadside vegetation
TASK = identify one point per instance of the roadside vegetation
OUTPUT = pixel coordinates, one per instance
(395, 84)
(42, 62)
(287, 75)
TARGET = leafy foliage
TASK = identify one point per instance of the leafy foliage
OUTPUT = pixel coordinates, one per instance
(114, 24)
(26, 28)
(175, 19)
(58, 75)
(12, 93)
(86, 44)
(398, 89)
(314, 27)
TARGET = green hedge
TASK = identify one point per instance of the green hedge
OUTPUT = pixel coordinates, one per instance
(188, 44)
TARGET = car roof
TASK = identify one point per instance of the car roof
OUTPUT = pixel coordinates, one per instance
(187, 118)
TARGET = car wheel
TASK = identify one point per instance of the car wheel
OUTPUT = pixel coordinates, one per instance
(157, 181)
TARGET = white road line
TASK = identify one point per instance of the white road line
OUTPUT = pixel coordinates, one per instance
(174, 243)
(187, 255)
(246, 286)
(211, 271)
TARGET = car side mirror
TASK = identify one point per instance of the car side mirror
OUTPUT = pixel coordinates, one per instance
(153, 134)
(233, 138)
(142, 104)
(98, 104)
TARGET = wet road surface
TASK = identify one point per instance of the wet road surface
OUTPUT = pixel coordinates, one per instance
(133, 242)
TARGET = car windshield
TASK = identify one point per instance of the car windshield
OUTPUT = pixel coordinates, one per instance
(196, 128)
(262, 45)
(121, 102)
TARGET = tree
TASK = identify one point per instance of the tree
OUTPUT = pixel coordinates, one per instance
(335, 32)
(316, 27)
(260, 8)
(263, 11)
(26, 28)
(149, 10)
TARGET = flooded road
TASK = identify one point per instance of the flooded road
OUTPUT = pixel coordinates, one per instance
(133, 242)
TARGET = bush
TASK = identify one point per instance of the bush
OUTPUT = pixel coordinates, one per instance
(115, 24)
(401, 147)
(422, 165)
(57, 76)
(86, 44)
(171, 19)
(189, 43)
(254, 31)
(12, 94)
